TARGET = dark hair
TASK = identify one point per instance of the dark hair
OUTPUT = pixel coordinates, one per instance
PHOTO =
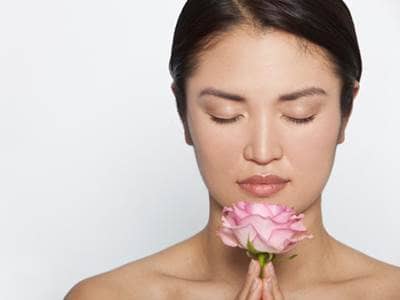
(326, 23)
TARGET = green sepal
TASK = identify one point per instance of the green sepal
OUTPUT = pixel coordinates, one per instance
(262, 260)
(262, 257)
(251, 248)
(251, 255)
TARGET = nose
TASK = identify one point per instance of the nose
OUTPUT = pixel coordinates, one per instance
(263, 145)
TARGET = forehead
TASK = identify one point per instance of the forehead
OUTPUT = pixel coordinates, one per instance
(270, 62)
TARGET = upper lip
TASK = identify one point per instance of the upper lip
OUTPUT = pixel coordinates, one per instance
(264, 179)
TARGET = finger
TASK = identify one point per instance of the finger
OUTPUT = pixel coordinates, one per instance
(255, 290)
(252, 273)
(273, 284)
(267, 289)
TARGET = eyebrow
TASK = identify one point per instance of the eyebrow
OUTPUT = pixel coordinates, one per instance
(310, 91)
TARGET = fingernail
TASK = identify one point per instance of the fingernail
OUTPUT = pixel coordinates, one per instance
(254, 285)
(271, 270)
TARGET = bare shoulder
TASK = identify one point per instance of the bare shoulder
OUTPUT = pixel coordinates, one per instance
(94, 288)
(380, 281)
(135, 280)
(361, 276)
(145, 278)
(385, 280)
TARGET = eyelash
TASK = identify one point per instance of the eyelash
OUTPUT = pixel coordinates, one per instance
(293, 120)
(301, 121)
(224, 121)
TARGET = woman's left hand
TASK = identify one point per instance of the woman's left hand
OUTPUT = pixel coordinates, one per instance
(271, 289)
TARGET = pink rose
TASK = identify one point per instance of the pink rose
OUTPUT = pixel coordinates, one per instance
(270, 228)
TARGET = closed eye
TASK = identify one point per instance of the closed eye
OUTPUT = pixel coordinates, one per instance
(290, 119)
(300, 121)
(225, 121)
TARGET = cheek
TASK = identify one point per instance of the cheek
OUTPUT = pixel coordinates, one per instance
(311, 155)
(216, 152)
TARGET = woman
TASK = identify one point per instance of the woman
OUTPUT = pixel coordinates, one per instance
(263, 88)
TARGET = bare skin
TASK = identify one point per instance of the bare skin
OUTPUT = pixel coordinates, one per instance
(261, 67)
(174, 273)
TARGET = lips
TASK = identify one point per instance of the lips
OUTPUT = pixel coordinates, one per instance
(263, 186)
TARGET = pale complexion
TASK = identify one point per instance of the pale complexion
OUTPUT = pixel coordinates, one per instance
(277, 78)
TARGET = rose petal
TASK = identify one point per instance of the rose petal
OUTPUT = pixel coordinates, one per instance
(227, 236)
(228, 221)
(271, 227)
(241, 205)
(259, 209)
(243, 234)
(283, 217)
(239, 213)
(280, 238)
(299, 236)
(260, 245)
(276, 209)
(298, 226)
(263, 226)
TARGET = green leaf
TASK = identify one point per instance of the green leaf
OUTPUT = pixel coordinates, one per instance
(292, 256)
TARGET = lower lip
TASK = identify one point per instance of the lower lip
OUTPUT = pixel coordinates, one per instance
(262, 190)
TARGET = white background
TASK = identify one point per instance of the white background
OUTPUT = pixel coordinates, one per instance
(94, 170)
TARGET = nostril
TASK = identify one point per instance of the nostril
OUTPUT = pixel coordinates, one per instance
(262, 155)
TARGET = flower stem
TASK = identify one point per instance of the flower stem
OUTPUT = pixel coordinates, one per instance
(263, 259)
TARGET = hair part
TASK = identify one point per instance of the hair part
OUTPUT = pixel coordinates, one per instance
(327, 24)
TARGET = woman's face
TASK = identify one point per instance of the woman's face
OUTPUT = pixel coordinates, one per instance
(277, 80)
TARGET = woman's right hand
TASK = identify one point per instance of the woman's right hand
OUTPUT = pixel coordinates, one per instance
(252, 287)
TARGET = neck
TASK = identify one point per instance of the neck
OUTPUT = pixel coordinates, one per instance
(230, 264)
